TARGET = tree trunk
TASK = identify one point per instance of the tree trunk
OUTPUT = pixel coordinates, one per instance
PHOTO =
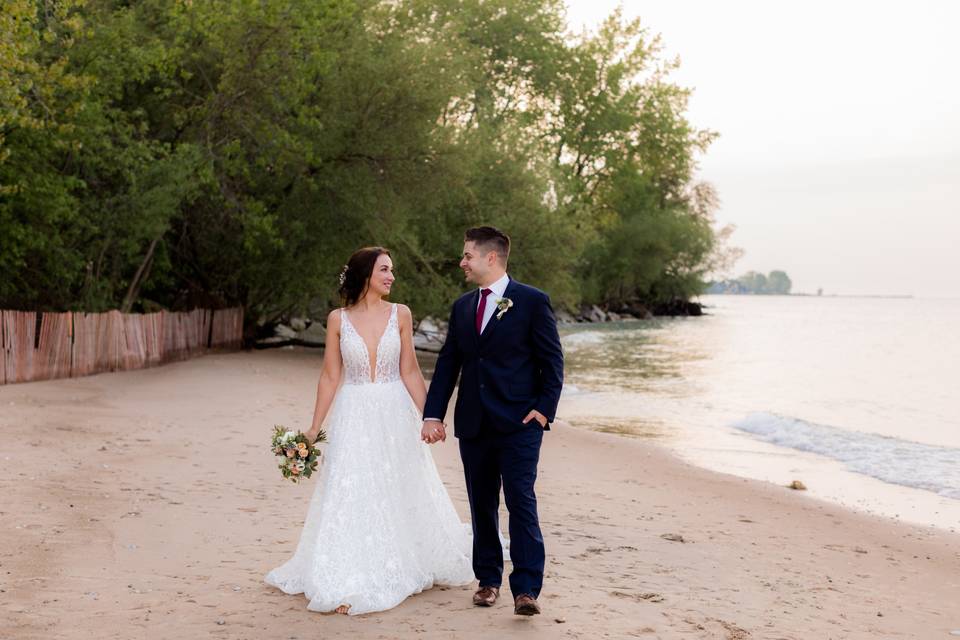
(139, 277)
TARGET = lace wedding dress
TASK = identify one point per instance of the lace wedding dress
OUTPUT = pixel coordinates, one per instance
(380, 525)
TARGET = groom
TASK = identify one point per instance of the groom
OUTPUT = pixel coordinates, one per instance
(503, 344)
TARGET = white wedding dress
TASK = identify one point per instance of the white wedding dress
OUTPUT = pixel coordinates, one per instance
(380, 525)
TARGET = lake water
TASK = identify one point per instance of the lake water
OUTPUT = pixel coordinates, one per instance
(855, 397)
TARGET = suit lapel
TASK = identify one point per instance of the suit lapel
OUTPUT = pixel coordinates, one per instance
(470, 317)
(494, 322)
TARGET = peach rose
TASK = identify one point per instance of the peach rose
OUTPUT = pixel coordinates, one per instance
(304, 453)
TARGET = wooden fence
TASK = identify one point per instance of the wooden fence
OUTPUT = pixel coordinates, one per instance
(75, 344)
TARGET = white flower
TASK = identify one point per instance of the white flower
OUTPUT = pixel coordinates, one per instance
(503, 304)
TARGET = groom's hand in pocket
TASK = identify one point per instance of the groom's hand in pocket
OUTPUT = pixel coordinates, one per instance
(536, 415)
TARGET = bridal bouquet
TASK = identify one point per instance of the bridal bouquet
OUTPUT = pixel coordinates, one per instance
(298, 457)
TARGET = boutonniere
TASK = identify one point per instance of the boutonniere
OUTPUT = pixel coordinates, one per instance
(503, 305)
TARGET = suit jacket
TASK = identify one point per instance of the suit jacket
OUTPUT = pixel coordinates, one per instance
(514, 366)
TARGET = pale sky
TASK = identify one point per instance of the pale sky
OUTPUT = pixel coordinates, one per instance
(839, 155)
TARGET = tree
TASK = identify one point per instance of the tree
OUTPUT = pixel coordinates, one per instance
(40, 99)
(166, 153)
(778, 282)
(753, 282)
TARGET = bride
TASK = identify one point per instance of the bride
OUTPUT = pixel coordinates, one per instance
(380, 525)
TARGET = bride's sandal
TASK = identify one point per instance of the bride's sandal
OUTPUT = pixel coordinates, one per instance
(344, 608)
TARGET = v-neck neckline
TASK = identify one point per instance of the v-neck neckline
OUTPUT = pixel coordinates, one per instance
(366, 347)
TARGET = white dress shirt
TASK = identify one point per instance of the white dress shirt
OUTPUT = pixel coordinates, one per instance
(497, 289)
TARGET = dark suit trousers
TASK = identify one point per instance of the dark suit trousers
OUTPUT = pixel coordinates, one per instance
(511, 458)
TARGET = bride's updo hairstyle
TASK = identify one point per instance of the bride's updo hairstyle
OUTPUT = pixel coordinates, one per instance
(355, 277)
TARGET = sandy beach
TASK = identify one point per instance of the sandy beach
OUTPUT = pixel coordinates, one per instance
(164, 510)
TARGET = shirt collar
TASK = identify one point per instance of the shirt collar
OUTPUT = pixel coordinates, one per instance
(498, 288)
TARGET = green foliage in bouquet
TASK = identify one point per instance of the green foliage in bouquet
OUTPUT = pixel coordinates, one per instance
(298, 456)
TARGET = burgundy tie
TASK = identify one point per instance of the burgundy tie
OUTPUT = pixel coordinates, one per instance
(483, 306)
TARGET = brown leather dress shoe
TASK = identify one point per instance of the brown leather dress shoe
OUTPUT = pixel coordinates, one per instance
(525, 605)
(486, 596)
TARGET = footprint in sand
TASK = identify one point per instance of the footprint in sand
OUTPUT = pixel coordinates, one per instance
(649, 596)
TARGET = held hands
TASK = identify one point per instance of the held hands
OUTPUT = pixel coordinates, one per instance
(433, 431)
(536, 415)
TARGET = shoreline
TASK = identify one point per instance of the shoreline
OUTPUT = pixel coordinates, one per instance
(735, 393)
(138, 527)
(724, 450)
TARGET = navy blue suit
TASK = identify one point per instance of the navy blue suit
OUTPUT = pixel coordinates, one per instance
(514, 366)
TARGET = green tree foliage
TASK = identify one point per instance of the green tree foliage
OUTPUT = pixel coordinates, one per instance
(41, 227)
(753, 282)
(778, 282)
(175, 153)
